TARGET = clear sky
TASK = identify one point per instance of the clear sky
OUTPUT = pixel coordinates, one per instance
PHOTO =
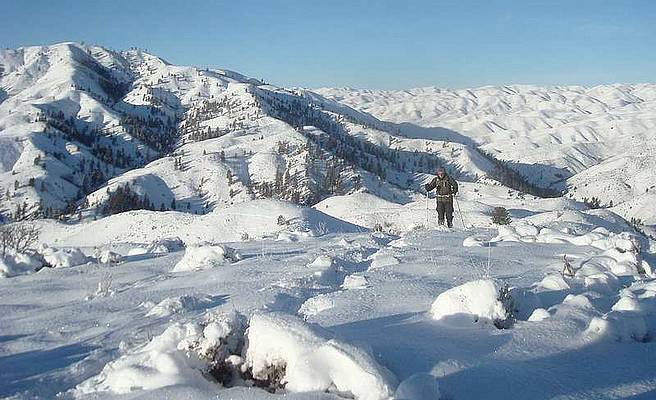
(366, 44)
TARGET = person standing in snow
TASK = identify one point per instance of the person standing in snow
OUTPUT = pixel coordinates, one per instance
(446, 187)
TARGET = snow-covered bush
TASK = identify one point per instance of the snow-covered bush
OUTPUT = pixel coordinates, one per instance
(355, 282)
(481, 301)
(277, 352)
(109, 257)
(315, 305)
(13, 264)
(64, 257)
(304, 358)
(206, 256)
(184, 354)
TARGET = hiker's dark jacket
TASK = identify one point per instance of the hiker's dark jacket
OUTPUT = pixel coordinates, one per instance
(445, 187)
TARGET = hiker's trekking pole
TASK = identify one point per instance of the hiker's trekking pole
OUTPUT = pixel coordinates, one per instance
(462, 219)
(426, 209)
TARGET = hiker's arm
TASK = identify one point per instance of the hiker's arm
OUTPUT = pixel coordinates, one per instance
(454, 186)
(430, 185)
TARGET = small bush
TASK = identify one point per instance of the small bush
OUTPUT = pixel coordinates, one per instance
(282, 220)
(500, 216)
(509, 305)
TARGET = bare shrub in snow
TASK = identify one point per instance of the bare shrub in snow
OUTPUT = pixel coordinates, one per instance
(18, 237)
(321, 229)
(506, 299)
(567, 267)
(282, 220)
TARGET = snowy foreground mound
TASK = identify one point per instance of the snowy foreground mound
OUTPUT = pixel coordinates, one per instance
(475, 301)
(274, 351)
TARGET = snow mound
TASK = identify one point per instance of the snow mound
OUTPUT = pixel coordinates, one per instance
(383, 258)
(203, 257)
(421, 386)
(315, 305)
(355, 282)
(310, 360)
(474, 241)
(63, 258)
(110, 257)
(178, 305)
(181, 355)
(326, 271)
(14, 264)
(599, 237)
(539, 314)
(254, 219)
(619, 326)
(632, 317)
(475, 301)
(553, 282)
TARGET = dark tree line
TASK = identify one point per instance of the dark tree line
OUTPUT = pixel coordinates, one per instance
(504, 173)
(124, 198)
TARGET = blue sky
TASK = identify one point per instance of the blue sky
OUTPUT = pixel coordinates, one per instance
(366, 44)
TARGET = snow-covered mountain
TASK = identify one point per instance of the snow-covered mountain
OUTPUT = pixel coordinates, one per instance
(590, 141)
(78, 123)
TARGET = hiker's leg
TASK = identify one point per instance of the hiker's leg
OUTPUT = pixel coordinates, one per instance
(448, 208)
(440, 212)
